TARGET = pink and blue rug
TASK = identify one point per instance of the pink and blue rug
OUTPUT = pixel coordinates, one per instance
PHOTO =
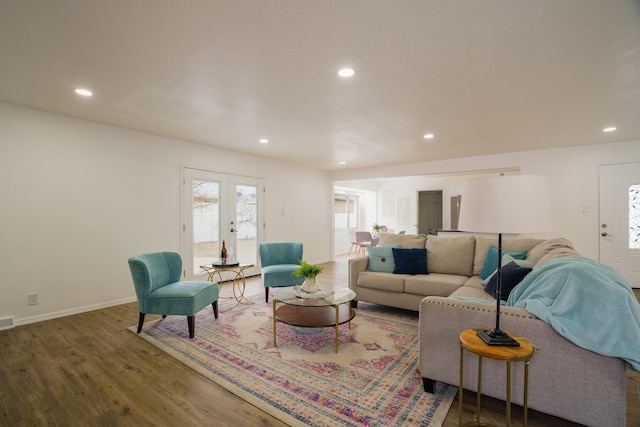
(372, 381)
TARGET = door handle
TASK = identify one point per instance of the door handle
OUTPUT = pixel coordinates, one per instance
(605, 234)
(233, 230)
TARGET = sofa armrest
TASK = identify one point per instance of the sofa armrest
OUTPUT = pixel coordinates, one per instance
(557, 370)
(356, 265)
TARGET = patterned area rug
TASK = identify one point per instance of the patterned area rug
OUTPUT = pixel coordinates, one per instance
(372, 381)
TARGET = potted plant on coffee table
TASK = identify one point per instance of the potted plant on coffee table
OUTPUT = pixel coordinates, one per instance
(309, 272)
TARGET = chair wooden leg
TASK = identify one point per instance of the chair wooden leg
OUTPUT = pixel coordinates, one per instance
(215, 308)
(140, 321)
(266, 294)
(164, 316)
(191, 320)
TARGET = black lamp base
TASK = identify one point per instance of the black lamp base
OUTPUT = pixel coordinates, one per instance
(497, 337)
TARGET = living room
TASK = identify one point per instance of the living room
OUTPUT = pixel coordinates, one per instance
(81, 196)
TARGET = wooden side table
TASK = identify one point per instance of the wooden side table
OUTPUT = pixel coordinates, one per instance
(470, 341)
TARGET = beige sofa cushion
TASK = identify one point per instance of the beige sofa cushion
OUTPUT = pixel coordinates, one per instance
(509, 245)
(433, 284)
(409, 241)
(382, 281)
(450, 255)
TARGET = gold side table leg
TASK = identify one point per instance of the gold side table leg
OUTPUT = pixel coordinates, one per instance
(508, 393)
(220, 282)
(526, 393)
(240, 283)
(337, 325)
(460, 390)
(274, 323)
(479, 389)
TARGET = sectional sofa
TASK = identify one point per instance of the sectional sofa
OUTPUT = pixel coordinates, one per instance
(565, 380)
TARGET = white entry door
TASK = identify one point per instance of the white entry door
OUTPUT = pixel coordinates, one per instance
(619, 191)
(220, 208)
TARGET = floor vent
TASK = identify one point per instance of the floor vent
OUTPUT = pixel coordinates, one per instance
(6, 323)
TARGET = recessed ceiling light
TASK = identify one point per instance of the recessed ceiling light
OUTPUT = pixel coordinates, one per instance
(84, 92)
(609, 129)
(264, 141)
(428, 136)
(343, 162)
(346, 72)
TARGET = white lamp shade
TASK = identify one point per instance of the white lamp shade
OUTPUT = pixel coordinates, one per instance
(510, 204)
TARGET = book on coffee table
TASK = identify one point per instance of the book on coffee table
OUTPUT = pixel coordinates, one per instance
(311, 295)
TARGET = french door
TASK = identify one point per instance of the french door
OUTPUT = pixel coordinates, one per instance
(220, 208)
(619, 212)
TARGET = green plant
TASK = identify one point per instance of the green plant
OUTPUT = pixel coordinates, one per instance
(376, 227)
(307, 270)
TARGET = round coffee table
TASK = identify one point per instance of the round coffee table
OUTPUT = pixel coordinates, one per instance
(320, 311)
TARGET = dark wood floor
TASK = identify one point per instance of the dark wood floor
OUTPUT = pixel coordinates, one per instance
(88, 369)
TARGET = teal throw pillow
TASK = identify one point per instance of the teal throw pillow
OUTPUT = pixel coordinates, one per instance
(491, 263)
(381, 259)
(512, 275)
(410, 261)
(506, 259)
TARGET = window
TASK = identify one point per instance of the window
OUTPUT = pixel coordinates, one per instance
(206, 221)
(346, 211)
(634, 216)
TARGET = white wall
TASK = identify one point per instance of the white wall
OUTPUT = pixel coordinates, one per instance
(79, 198)
(572, 174)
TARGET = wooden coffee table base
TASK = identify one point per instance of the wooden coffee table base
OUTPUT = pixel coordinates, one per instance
(312, 317)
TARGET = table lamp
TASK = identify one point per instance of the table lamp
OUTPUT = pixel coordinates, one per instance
(505, 204)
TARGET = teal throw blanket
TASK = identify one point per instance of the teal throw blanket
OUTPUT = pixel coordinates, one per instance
(587, 302)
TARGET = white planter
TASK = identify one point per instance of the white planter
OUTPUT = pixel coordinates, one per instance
(310, 285)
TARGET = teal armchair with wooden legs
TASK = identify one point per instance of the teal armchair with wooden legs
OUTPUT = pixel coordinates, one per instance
(156, 278)
(278, 261)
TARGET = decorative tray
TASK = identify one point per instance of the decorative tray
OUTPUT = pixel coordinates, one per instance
(229, 264)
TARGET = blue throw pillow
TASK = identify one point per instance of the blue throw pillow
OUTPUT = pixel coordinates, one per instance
(381, 258)
(410, 261)
(512, 274)
(491, 262)
(506, 259)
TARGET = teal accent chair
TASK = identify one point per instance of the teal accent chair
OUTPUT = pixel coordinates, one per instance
(156, 278)
(278, 261)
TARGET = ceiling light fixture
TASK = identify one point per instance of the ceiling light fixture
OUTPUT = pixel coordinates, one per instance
(84, 92)
(428, 136)
(264, 141)
(343, 162)
(609, 129)
(346, 72)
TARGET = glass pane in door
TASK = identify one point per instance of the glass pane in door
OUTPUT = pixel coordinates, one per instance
(634, 216)
(246, 225)
(206, 222)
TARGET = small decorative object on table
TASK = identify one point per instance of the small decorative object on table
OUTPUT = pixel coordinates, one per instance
(223, 254)
(309, 272)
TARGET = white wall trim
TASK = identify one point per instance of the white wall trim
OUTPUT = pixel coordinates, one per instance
(70, 312)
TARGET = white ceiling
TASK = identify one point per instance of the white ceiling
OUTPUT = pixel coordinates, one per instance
(484, 76)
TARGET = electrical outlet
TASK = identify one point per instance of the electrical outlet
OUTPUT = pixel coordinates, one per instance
(33, 299)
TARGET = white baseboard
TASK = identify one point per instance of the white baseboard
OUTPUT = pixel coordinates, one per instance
(78, 310)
